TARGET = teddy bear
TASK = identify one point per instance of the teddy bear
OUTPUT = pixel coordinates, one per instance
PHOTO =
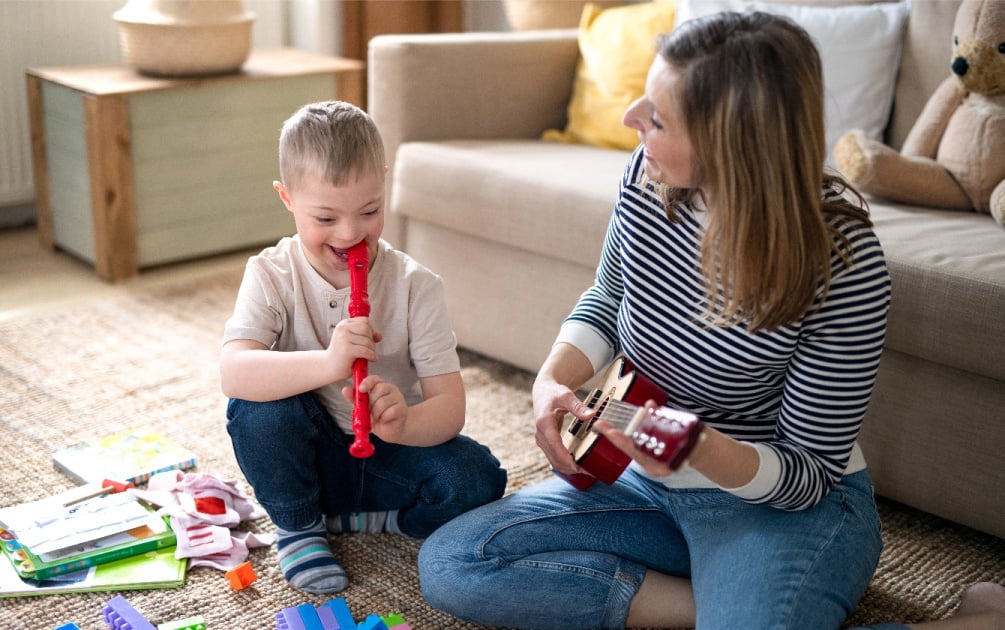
(954, 154)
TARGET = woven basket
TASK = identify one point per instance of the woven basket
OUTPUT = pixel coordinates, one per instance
(158, 39)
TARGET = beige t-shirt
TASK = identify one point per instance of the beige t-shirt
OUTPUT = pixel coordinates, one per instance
(286, 305)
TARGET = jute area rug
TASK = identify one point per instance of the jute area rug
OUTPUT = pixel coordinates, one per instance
(148, 357)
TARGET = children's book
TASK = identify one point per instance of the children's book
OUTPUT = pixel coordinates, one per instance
(150, 570)
(131, 456)
(52, 536)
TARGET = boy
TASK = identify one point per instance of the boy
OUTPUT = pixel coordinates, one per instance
(286, 364)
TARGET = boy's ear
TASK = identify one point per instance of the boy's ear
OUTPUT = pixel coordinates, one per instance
(283, 194)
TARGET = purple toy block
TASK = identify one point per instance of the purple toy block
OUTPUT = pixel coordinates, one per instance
(327, 617)
(120, 615)
(289, 619)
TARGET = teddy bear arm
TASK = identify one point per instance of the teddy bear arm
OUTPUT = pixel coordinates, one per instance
(926, 133)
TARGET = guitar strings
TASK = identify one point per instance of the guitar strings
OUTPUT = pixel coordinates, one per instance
(616, 412)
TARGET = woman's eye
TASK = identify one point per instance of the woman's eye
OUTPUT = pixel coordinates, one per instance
(656, 125)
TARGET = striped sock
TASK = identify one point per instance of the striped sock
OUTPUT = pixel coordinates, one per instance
(365, 523)
(307, 561)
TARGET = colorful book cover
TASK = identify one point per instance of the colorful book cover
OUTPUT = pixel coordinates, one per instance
(154, 534)
(150, 570)
(131, 456)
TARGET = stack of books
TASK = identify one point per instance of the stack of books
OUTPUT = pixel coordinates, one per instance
(93, 537)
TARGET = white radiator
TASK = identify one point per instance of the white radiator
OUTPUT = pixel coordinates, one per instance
(41, 33)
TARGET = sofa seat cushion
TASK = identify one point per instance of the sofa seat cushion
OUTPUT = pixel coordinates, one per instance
(548, 198)
(948, 274)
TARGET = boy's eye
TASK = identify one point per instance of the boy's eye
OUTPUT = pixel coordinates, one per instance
(323, 219)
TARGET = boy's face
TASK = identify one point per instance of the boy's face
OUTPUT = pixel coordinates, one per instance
(330, 219)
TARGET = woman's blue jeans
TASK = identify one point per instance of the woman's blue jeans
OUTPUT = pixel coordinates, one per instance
(298, 463)
(551, 556)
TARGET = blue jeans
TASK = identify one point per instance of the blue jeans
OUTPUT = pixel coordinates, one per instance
(551, 556)
(297, 461)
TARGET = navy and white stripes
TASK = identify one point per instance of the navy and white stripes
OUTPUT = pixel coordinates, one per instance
(800, 390)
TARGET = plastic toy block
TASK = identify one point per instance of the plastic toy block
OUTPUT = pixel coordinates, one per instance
(392, 620)
(68, 626)
(401, 626)
(119, 614)
(372, 622)
(306, 617)
(341, 611)
(241, 576)
(289, 619)
(188, 623)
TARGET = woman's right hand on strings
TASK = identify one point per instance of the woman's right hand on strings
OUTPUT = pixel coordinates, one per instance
(552, 402)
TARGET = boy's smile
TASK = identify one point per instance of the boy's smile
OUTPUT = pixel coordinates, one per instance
(330, 219)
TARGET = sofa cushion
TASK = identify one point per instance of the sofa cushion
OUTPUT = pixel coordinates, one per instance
(543, 197)
(948, 274)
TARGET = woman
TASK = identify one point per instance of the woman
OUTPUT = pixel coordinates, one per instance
(749, 286)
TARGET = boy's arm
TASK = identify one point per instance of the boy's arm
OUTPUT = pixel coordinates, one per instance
(250, 371)
(437, 418)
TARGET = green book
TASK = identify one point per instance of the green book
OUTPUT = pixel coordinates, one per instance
(150, 570)
(46, 538)
(131, 456)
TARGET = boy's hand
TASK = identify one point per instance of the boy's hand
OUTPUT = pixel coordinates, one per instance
(352, 339)
(388, 411)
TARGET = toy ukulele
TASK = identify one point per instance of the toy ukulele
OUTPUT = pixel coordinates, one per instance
(359, 306)
(667, 434)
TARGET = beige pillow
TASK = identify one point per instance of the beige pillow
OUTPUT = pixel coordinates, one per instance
(526, 15)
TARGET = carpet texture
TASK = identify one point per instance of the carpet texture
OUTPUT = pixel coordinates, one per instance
(149, 357)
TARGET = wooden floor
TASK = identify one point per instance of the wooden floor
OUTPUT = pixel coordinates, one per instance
(34, 279)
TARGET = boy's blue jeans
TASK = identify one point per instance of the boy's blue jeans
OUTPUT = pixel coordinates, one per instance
(551, 556)
(298, 463)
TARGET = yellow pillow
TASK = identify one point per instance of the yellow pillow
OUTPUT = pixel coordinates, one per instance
(617, 46)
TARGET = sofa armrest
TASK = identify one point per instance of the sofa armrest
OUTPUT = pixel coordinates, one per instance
(439, 86)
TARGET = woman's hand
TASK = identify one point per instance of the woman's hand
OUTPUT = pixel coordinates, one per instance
(552, 402)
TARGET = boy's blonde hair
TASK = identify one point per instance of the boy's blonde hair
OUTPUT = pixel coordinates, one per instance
(332, 139)
(752, 103)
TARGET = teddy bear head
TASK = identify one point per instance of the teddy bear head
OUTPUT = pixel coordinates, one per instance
(978, 58)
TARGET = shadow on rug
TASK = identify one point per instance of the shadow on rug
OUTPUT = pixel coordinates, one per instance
(149, 358)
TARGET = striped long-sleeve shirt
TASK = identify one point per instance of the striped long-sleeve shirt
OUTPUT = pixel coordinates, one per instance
(798, 393)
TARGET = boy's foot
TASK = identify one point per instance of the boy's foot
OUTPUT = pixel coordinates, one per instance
(307, 561)
(364, 523)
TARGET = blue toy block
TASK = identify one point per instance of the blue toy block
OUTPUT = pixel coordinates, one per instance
(120, 615)
(68, 626)
(342, 615)
(372, 622)
(309, 616)
(195, 622)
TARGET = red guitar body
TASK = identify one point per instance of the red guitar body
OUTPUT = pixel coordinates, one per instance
(664, 433)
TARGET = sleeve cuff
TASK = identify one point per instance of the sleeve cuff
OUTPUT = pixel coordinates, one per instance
(769, 471)
(588, 341)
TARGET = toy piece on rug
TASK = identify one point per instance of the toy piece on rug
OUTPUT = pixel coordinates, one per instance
(68, 626)
(203, 509)
(241, 576)
(952, 157)
(188, 623)
(119, 614)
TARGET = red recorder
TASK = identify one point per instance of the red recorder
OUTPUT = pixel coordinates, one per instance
(359, 306)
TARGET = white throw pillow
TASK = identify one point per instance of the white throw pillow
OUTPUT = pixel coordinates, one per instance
(860, 51)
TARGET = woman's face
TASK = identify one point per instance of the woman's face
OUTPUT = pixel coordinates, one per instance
(668, 153)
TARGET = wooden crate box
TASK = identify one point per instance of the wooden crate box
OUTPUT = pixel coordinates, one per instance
(133, 171)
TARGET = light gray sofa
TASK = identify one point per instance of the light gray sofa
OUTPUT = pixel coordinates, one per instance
(515, 226)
